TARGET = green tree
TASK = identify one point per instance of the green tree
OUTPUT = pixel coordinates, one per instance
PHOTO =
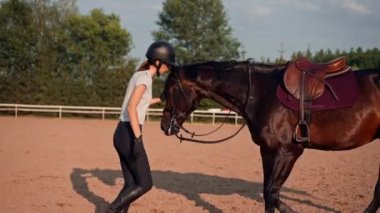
(18, 40)
(49, 17)
(51, 54)
(94, 50)
(199, 31)
(30, 30)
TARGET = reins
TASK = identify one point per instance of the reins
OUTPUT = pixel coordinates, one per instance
(193, 134)
(181, 138)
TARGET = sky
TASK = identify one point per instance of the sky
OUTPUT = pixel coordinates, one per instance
(265, 28)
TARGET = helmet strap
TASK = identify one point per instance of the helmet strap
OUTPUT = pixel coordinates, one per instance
(158, 68)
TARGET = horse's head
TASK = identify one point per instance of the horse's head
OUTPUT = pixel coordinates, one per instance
(181, 99)
(223, 82)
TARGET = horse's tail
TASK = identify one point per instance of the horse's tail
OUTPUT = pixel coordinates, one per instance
(375, 204)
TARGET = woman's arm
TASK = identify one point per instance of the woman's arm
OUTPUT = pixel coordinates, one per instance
(132, 108)
(155, 101)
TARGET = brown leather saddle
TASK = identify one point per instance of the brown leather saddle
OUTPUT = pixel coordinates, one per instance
(306, 81)
(311, 76)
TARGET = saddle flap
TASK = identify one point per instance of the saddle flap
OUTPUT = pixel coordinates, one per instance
(314, 85)
(314, 82)
(345, 87)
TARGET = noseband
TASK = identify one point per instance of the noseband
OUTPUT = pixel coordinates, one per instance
(173, 120)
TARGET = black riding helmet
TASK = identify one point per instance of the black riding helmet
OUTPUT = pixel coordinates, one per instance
(162, 51)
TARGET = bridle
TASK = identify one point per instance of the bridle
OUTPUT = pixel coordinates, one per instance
(173, 120)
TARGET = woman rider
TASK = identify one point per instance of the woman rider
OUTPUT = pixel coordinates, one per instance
(128, 140)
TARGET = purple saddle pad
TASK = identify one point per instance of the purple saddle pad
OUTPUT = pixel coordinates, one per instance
(344, 85)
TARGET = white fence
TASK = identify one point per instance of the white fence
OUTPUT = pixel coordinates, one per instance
(103, 111)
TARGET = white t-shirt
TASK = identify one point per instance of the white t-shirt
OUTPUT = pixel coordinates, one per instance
(138, 78)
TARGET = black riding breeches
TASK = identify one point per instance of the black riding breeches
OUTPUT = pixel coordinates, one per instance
(134, 165)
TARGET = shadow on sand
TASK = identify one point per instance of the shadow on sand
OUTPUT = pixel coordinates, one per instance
(190, 185)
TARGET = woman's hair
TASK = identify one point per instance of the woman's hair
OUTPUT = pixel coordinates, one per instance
(144, 66)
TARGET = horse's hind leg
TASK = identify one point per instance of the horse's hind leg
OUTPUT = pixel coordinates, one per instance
(375, 204)
(277, 165)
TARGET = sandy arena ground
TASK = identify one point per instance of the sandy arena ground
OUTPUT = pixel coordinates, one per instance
(69, 165)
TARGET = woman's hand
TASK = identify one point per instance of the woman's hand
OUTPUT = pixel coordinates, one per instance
(155, 101)
(138, 143)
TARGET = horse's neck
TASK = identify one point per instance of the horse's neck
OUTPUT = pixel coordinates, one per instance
(223, 100)
(233, 89)
(225, 90)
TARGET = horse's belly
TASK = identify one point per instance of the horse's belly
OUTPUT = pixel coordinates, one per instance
(344, 129)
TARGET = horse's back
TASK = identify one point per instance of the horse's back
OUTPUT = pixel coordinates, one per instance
(372, 78)
(354, 126)
(369, 85)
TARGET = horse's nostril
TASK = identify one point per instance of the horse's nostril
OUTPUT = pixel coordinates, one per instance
(174, 130)
(164, 128)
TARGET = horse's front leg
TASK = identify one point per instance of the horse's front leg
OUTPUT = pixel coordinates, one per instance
(277, 165)
(375, 204)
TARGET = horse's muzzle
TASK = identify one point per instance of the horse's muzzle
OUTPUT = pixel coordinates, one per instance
(171, 128)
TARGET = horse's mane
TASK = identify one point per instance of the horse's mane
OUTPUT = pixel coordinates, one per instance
(259, 67)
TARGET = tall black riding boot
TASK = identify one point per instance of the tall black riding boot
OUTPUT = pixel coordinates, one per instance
(123, 201)
(117, 206)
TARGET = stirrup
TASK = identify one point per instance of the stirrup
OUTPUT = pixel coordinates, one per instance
(303, 128)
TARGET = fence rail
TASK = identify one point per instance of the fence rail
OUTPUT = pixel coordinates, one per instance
(103, 111)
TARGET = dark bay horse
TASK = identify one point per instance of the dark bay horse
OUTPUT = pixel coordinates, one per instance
(250, 90)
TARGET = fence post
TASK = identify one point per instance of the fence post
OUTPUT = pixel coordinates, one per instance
(60, 112)
(16, 110)
(236, 119)
(103, 111)
(213, 118)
